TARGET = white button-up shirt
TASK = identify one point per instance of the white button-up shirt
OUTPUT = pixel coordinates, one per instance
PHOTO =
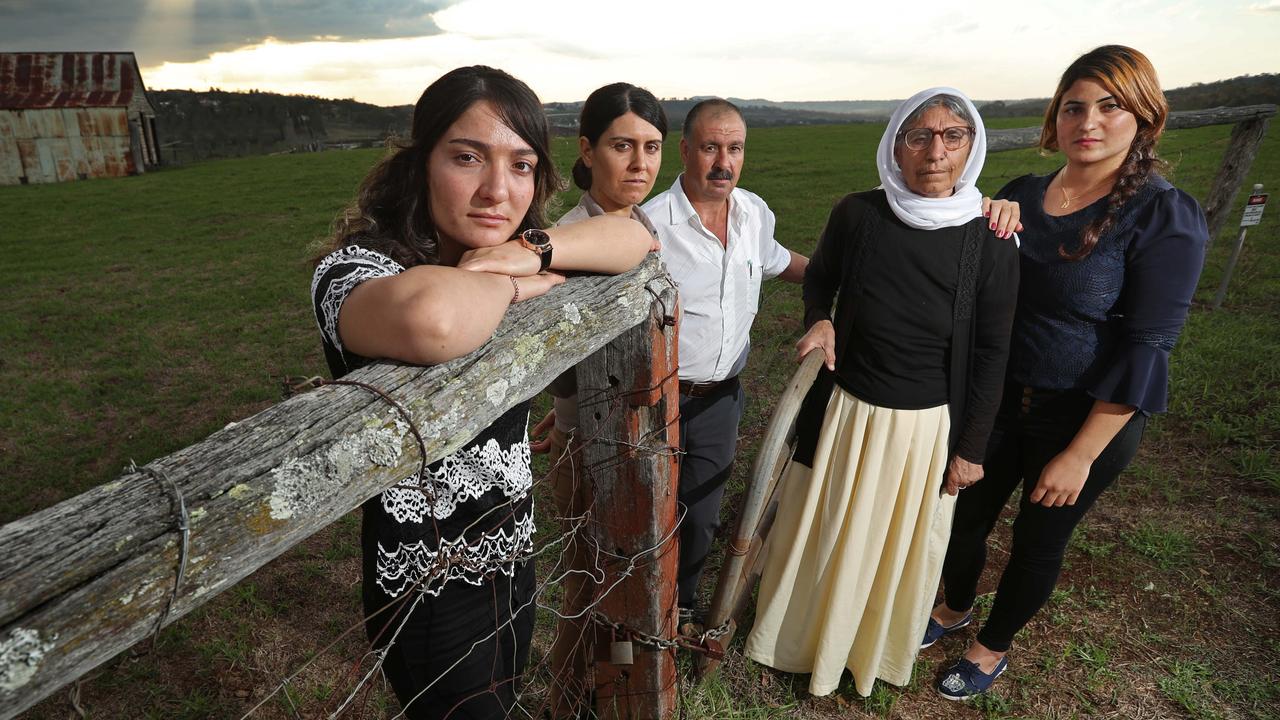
(719, 286)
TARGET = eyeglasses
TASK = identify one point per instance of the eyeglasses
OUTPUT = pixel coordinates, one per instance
(953, 138)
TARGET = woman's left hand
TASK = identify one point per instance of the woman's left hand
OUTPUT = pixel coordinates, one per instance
(509, 258)
(1062, 480)
(822, 336)
(961, 474)
(1003, 216)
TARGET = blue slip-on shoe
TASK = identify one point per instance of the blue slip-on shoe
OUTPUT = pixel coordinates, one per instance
(965, 679)
(934, 631)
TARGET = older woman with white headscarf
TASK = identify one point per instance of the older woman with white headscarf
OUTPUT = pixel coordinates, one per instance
(898, 420)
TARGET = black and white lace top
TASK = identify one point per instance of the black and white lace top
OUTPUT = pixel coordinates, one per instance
(472, 515)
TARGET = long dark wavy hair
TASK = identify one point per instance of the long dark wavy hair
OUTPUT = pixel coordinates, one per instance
(607, 104)
(392, 213)
(1129, 76)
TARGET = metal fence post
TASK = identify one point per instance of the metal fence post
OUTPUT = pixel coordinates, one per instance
(1231, 261)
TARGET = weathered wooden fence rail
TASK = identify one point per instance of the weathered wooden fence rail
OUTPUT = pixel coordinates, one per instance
(87, 578)
(1249, 127)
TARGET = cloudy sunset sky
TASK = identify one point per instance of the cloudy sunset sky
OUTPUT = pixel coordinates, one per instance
(386, 51)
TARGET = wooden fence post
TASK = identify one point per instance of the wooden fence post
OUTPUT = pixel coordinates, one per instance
(1246, 137)
(629, 407)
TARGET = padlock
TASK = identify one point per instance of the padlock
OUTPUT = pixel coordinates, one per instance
(620, 653)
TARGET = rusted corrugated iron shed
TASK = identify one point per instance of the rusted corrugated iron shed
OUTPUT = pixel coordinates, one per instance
(71, 115)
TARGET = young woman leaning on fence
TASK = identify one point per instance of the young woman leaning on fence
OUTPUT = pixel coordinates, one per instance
(444, 235)
(1110, 256)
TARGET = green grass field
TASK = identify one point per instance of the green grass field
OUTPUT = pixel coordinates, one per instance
(141, 314)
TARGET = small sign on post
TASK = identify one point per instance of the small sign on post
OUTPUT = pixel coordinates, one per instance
(1253, 209)
(1252, 216)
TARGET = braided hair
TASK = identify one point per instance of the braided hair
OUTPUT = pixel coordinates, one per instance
(1129, 76)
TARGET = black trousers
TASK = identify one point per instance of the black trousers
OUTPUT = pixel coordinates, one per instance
(458, 655)
(1031, 428)
(709, 438)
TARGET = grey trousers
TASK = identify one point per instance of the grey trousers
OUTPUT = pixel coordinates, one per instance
(709, 438)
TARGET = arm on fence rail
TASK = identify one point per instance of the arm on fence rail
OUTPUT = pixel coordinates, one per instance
(87, 578)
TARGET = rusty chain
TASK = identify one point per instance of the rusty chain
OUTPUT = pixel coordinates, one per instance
(704, 642)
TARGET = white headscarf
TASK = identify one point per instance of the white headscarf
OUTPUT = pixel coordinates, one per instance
(921, 212)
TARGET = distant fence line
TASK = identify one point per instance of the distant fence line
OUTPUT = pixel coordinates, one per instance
(1249, 127)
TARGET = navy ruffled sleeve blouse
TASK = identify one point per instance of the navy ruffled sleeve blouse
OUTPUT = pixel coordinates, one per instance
(1105, 324)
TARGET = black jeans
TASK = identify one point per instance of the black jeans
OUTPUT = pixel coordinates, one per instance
(459, 655)
(709, 439)
(1031, 428)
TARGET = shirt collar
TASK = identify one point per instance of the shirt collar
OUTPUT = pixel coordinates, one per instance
(589, 204)
(682, 210)
(680, 207)
(593, 209)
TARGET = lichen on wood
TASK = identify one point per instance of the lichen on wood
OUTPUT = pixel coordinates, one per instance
(20, 656)
(303, 484)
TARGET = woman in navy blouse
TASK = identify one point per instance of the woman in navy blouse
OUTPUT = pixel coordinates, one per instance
(1110, 257)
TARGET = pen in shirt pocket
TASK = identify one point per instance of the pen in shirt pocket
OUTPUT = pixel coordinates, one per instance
(750, 270)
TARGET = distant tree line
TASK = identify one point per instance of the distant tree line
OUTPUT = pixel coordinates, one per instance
(196, 125)
(1243, 90)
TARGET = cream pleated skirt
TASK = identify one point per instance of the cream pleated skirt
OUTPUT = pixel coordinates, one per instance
(855, 554)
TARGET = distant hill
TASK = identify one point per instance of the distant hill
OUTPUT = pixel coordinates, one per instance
(1243, 90)
(758, 113)
(196, 125)
(870, 109)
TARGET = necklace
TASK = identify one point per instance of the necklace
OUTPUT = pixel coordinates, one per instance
(1067, 198)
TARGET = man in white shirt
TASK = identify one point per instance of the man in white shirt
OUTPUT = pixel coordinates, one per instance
(717, 242)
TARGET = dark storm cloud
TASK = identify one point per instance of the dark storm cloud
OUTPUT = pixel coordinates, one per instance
(178, 30)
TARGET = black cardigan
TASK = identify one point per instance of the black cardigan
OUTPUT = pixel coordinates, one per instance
(981, 313)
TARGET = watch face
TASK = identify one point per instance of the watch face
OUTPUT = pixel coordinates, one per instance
(534, 236)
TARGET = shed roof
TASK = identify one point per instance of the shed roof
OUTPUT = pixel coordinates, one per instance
(69, 79)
